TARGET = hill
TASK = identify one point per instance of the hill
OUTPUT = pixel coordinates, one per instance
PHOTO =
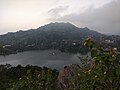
(50, 36)
(49, 32)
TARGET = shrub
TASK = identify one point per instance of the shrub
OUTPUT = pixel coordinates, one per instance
(104, 73)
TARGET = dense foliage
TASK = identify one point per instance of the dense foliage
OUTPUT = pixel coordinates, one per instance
(27, 78)
(104, 72)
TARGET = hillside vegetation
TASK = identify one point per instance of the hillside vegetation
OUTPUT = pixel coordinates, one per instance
(62, 36)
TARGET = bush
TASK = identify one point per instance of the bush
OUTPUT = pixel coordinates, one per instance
(104, 73)
(36, 80)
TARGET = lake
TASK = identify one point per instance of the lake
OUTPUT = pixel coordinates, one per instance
(50, 58)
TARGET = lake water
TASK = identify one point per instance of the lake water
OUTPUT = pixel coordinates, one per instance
(50, 58)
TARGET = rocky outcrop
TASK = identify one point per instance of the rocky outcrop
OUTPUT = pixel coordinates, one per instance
(68, 77)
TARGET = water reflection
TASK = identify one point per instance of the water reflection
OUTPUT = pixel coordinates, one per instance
(49, 58)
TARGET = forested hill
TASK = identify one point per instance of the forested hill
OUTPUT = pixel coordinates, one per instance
(49, 33)
(62, 36)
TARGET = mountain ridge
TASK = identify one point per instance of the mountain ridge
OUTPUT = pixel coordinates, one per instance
(61, 36)
(52, 27)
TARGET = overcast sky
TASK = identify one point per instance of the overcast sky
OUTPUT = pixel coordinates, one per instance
(100, 15)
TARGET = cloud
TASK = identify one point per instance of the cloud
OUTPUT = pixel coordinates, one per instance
(57, 12)
(25, 14)
(105, 19)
